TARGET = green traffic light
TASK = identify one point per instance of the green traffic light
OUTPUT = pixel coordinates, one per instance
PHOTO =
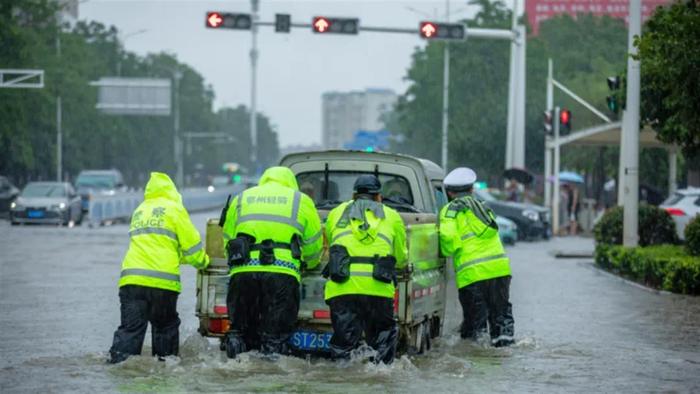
(612, 104)
(236, 179)
(369, 149)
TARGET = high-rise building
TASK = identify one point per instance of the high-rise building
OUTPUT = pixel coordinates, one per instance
(344, 113)
(540, 10)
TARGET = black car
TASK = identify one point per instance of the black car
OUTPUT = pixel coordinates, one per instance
(8, 193)
(533, 220)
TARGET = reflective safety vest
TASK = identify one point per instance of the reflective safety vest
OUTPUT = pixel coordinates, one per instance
(469, 234)
(161, 237)
(383, 237)
(275, 210)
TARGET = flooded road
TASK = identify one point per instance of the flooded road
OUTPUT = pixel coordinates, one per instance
(577, 328)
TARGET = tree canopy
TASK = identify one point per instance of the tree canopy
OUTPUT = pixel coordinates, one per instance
(669, 51)
(136, 145)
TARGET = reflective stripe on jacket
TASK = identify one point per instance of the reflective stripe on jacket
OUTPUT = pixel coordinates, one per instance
(475, 246)
(276, 210)
(384, 237)
(162, 237)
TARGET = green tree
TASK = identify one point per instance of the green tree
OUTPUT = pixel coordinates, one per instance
(669, 52)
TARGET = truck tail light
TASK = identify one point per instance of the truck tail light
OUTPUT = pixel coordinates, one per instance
(396, 301)
(675, 211)
(322, 314)
(220, 309)
(218, 325)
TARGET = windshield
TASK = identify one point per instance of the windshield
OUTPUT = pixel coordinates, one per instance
(44, 190)
(482, 194)
(396, 191)
(96, 181)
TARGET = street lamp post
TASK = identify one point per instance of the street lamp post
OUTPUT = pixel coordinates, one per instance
(179, 172)
(253, 87)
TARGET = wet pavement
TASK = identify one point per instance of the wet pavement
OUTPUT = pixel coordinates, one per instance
(578, 329)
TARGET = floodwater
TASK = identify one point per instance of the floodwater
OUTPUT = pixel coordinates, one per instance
(578, 330)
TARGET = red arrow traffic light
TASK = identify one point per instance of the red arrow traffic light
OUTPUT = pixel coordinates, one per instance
(214, 19)
(427, 29)
(321, 24)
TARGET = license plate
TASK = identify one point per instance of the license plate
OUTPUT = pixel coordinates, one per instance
(311, 340)
(35, 214)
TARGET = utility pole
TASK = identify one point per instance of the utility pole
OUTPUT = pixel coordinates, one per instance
(555, 197)
(177, 147)
(253, 88)
(512, 81)
(631, 132)
(445, 92)
(59, 113)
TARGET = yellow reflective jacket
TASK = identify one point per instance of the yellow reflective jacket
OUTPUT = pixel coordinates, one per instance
(383, 237)
(162, 237)
(476, 247)
(276, 210)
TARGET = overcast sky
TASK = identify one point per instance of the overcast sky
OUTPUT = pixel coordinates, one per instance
(294, 69)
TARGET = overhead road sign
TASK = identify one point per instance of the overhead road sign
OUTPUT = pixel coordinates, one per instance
(133, 96)
(21, 78)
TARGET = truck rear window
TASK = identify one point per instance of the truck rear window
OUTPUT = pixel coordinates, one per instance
(395, 189)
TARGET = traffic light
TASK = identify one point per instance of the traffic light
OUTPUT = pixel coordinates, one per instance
(224, 20)
(441, 31)
(613, 99)
(548, 129)
(283, 23)
(322, 24)
(564, 120)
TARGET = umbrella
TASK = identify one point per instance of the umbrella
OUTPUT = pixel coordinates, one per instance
(519, 175)
(568, 176)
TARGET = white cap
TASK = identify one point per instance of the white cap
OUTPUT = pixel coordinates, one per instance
(460, 176)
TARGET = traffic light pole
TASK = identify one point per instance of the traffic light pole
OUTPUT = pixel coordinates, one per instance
(547, 149)
(630, 132)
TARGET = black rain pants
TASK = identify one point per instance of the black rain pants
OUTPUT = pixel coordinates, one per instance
(139, 306)
(262, 310)
(486, 303)
(352, 314)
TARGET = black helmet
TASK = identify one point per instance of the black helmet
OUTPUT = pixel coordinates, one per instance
(367, 184)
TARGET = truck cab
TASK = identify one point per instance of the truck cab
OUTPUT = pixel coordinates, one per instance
(410, 185)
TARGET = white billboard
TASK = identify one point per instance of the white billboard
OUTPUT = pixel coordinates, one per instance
(133, 96)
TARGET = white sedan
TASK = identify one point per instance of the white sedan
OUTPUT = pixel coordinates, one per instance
(683, 205)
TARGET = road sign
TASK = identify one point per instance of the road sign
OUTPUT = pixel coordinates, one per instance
(322, 24)
(133, 96)
(441, 31)
(283, 23)
(226, 20)
(22, 78)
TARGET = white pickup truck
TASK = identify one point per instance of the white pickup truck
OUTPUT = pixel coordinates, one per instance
(410, 185)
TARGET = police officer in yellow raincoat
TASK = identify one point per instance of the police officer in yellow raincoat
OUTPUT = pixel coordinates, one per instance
(162, 237)
(367, 244)
(469, 233)
(270, 232)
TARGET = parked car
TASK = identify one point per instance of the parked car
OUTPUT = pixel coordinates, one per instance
(46, 202)
(507, 229)
(8, 192)
(98, 182)
(683, 205)
(532, 220)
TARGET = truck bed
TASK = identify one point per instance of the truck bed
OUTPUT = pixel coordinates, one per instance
(419, 302)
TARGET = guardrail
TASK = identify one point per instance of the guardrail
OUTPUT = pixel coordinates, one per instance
(104, 209)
